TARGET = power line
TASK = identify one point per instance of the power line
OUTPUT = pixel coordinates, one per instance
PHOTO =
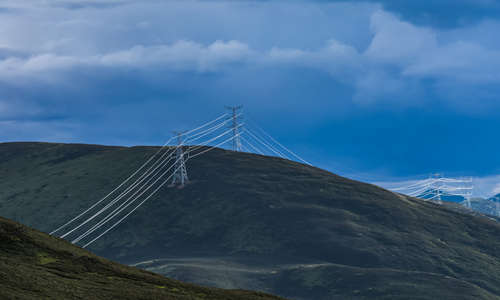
(132, 199)
(252, 146)
(144, 187)
(138, 182)
(113, 191)
(254, 136)
(158, 168)
(279, 144)
(122, 206)
(133, 175)
(438, 187)
(154, 192)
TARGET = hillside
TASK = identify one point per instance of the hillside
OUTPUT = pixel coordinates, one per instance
(34, 265)
(489, 206)
(262, 223)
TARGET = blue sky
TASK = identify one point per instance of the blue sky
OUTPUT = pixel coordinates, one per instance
(375, 90)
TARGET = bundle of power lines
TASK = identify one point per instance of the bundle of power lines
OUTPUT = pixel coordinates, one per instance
(168, 165)
(437, 187)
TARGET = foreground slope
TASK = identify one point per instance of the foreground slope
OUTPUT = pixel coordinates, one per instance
(34, 265)
(255, 222)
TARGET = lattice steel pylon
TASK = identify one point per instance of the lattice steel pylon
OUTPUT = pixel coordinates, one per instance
(180, 176)
(235, 117)
(446, 187)
(468, 193)
(437, 187)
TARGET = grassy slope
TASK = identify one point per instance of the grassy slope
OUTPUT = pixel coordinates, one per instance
(262, 211)
(34, 265)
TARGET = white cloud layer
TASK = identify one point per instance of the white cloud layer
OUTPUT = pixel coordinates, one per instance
(182, 55)
(376, 55)
(397, 53)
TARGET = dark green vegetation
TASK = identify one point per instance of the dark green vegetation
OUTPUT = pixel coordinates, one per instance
(34, 265)
(255, 222)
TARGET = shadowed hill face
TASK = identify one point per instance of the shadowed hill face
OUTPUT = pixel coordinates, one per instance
(34, 265)
(275, 225)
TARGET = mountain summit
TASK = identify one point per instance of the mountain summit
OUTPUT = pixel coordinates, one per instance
(263, 223)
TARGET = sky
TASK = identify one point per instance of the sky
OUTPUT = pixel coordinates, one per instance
(379, 91)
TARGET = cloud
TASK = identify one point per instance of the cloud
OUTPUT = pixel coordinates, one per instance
(395, 63)
(442, 14)
(418, 53)
(182, 55)
(395, 41)
(399, 55)
(398, 60)
(395, 59)
(462, 61)
(37, 63)
(338, 59)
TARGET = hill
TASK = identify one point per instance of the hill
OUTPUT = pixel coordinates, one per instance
(262, 223)
(34, 265)
(486, 206)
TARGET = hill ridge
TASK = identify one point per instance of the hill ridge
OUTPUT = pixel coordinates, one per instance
(261, 211)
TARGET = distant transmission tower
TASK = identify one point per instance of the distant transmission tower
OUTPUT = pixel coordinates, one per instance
(235, 118)
(443, 186)
(437, 187)
(468, 192)
(180, 174)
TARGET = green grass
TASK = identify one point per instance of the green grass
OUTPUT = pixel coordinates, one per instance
(258, 212)
(44, 258)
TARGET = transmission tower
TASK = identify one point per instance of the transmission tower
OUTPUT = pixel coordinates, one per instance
(437, 187)
(235, 117)
(443, 186)
(468, 192)
(180, 174)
